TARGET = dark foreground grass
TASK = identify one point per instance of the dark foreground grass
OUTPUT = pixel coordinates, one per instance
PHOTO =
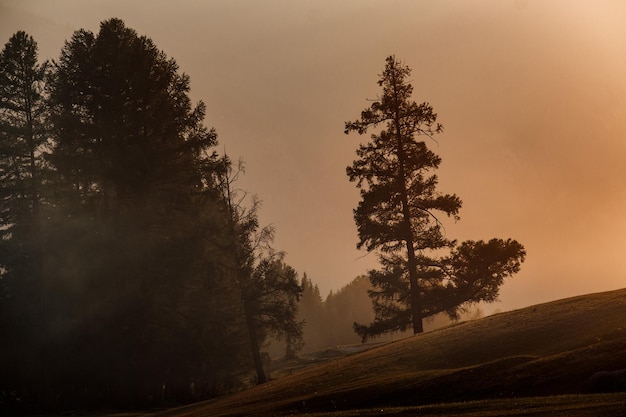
(530, 362)
(590, 405)
(98, 413)
(536, 361)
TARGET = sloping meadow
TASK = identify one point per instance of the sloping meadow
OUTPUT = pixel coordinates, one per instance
(548, 349)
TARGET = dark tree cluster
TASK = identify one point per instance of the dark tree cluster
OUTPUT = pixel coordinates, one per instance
(131, 273)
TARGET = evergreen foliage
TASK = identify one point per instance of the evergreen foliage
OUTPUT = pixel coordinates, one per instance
(22, 140)
(133, 218)
(117, 266)
(399, 216)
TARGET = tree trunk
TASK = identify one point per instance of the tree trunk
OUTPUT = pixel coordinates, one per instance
(416, 314)
(255, 348)
(290, 352)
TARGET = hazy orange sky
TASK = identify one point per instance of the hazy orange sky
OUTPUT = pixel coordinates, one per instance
(532, 95)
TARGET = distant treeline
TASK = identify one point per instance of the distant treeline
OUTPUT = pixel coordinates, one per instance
(329, 322)
(133, 271)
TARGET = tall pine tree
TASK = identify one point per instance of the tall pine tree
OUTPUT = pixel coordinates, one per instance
(22, 129)
(399, 215)
(23, 139)
(136, 231)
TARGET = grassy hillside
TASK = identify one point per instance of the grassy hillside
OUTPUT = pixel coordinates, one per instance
(544, 350)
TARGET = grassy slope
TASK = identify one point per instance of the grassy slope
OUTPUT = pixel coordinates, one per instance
(547, 349)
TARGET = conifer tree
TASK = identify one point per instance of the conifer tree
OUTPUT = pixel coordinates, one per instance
(22, 128)
(23, 139)
(137, 221)
(399, 216)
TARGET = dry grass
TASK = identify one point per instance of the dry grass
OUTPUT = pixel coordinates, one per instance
(545, 350)
(555, 406)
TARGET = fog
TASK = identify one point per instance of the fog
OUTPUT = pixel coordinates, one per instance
(532, 96)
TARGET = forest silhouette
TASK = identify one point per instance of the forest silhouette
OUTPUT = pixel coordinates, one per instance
(135, 271)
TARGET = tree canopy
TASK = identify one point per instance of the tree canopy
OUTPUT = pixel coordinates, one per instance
(118, 266)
